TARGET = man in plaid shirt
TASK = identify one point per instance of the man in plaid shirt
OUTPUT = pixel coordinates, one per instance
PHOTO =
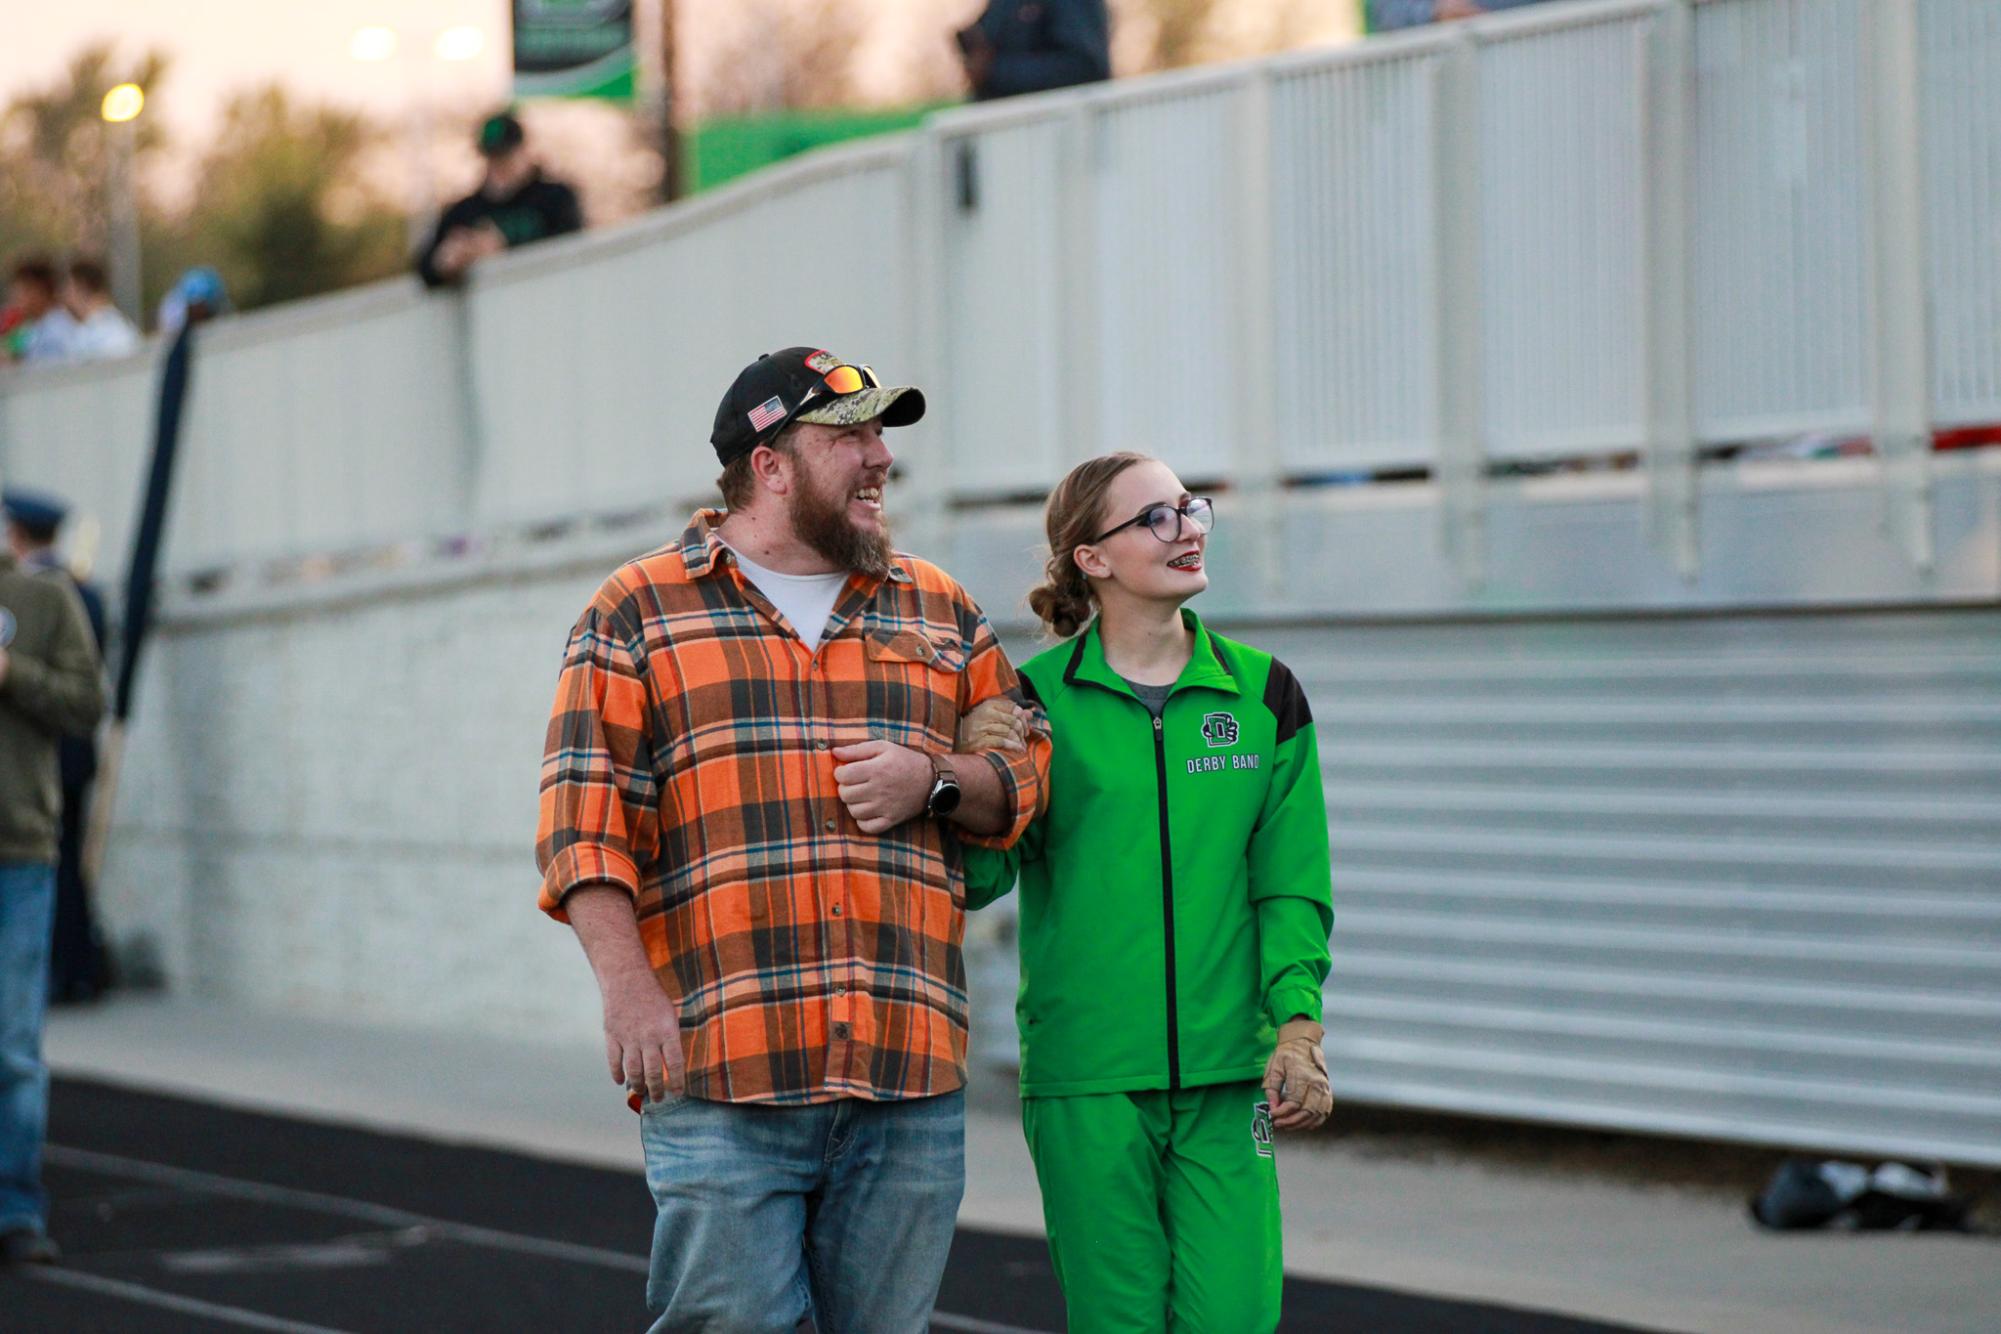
(750, 817)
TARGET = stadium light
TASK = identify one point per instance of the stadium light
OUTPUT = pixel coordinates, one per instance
(462, 43)
(123, 103)
(372, 44)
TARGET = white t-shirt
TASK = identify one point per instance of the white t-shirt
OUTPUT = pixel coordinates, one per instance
(805, 600)
(106, 334)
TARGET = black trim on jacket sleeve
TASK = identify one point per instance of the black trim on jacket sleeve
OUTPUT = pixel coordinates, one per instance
(1286, 701)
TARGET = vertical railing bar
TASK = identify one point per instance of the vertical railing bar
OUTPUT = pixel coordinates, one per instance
(1083, 280)
(1666, 56)
(928, 479)
(1458, 269)
(1258, 457)
(1900, 383)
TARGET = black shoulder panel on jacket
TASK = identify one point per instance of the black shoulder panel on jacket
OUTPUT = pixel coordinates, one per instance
(1286, 701)
(1028, 690)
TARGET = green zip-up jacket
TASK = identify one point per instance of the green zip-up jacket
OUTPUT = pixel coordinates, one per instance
(1175, 896)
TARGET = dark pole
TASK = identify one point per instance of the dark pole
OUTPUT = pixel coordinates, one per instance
(139, 580)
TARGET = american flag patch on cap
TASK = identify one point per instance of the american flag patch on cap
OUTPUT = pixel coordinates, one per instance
(767, 412)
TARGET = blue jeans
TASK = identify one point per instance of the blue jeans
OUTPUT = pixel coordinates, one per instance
(844, 1209)
(27, 917)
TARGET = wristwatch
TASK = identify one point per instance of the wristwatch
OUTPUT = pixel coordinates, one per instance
(944, 798)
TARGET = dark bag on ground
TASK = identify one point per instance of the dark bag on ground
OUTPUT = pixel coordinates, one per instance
(1805, 1194)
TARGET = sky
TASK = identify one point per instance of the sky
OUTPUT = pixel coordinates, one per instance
(219, 46)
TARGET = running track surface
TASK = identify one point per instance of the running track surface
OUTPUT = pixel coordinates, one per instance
(181, 1216)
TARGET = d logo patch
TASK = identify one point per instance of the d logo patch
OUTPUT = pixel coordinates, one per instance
(1219, 729)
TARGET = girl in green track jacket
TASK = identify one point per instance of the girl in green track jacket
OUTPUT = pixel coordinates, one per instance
(1174, 917)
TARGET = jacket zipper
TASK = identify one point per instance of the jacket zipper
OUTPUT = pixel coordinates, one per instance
(1167, 907)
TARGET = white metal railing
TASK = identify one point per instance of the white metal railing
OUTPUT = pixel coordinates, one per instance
(1637, 224)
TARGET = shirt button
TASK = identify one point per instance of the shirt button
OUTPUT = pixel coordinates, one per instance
(837, 910)
(841, 1032)
(823, 743)
(830, 826)
(840, 988)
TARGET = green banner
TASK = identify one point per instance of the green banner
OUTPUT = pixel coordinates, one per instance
(574, 48)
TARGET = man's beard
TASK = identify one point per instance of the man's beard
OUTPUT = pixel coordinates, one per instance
(822, 522)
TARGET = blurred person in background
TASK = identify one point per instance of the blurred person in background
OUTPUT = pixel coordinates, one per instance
(49, 688)
(102, 332)
(77, 967)
(1031, 46)
(750, 816)
(1175, 911)
(42, 328)
(514, 205)
(197, 296)
(1389, 15)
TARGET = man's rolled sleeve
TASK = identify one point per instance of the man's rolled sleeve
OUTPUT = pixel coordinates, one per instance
(599, 810)
(1024, 775)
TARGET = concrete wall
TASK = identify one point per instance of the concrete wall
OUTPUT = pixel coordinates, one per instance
(329, 800)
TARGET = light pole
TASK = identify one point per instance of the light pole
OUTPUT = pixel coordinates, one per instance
(120, 110)
(379, 45)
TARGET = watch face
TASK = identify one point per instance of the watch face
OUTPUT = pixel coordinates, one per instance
(944, 798)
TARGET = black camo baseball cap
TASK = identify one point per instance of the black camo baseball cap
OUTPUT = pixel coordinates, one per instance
(807, 384)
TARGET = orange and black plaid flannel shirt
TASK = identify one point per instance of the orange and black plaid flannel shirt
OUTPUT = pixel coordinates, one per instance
(688, 763)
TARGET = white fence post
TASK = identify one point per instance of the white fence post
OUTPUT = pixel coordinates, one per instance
(1667, 129)
(1900, 381)
(1456, 236)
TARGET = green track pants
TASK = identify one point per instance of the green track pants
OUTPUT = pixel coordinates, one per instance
(1161, 1208)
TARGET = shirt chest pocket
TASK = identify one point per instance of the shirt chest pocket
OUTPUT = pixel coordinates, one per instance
(915, 678)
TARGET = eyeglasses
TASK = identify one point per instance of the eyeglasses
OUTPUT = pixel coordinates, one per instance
(1164, 520)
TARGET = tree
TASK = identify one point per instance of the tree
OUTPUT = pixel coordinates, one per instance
(780, 54)
(55, 153)
(282, 208)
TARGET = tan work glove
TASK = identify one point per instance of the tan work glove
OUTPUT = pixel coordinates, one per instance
(1296, 1077)
(995, 724)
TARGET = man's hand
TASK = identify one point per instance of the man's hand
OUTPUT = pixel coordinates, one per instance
(642, 1029)
(484, 239)
(642, 1036)
(882, 784)
(995, 724)
(1296, 1078)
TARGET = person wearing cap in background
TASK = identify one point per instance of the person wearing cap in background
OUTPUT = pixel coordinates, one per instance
(514, 205)
(77, 963)
(49, 688)
(749, 813)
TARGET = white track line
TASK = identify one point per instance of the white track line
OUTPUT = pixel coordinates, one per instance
(138, 1169)
(132, 1292)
